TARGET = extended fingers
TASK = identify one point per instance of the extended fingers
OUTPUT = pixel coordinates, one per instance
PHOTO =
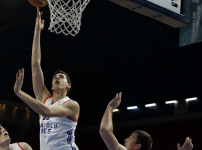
(23, 70)
(16, 76)
(21, 73)
(120, 93)
(178, 146)
(38, 13)
(191, 144)
(42, 21)
(188, 143)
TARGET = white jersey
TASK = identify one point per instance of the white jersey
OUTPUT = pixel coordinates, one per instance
(57, 133)
(16, 146)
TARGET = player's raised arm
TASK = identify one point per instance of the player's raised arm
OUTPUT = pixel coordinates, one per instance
(106, 127)
(40, 90)
(69, 108)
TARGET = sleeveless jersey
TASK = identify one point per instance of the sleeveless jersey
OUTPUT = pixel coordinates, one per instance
(57, 133)
(16, 146)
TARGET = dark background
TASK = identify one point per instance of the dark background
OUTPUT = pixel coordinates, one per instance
(115, 50)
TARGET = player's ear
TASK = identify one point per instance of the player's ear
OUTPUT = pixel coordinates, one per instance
(137, 146)
(68, 86)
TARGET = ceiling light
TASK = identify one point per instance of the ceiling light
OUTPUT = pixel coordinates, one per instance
(150, 105)
(115, 110)
(191, 99)
(171, 102)
(132, 107)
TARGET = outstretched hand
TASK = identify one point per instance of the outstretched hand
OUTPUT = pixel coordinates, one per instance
(39, 23)
(19, 81)
(114, 103)
(187, 145)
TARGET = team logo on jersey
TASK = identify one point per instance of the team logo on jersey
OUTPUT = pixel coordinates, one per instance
(70, 137)
(47, 127)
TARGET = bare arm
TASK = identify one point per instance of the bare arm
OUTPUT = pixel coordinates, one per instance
(25, 146)
(106, 127)
(68, 109)
(37, 75)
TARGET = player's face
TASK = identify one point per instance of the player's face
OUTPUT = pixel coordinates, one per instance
(59, 81)
(3, 135)
(130, 142)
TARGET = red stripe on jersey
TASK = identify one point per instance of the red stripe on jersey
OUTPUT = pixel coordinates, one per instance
(47, 98)
(69, 117)
(72, 119)
(65, 102)
(20, 146)
(44, 103)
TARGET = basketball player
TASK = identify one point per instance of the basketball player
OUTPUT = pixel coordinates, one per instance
(138, 140)
(5, 142)
(59, 114)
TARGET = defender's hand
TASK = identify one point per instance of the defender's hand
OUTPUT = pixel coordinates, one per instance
(114, 103)
(187, 145)
(19, 81)
(39, 23)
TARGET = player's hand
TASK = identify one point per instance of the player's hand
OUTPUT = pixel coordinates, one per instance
(187, 145)
(19, 81)
(114, 103)
(39, 23)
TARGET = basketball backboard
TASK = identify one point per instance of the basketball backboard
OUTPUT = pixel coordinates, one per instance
(171, 12)
(172, 5)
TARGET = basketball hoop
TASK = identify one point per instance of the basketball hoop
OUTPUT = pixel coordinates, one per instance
(66, 15)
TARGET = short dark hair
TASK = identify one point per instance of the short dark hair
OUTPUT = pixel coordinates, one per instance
(144, 139)
(68, 79)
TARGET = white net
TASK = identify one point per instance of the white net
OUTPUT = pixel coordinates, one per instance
(66, 15)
